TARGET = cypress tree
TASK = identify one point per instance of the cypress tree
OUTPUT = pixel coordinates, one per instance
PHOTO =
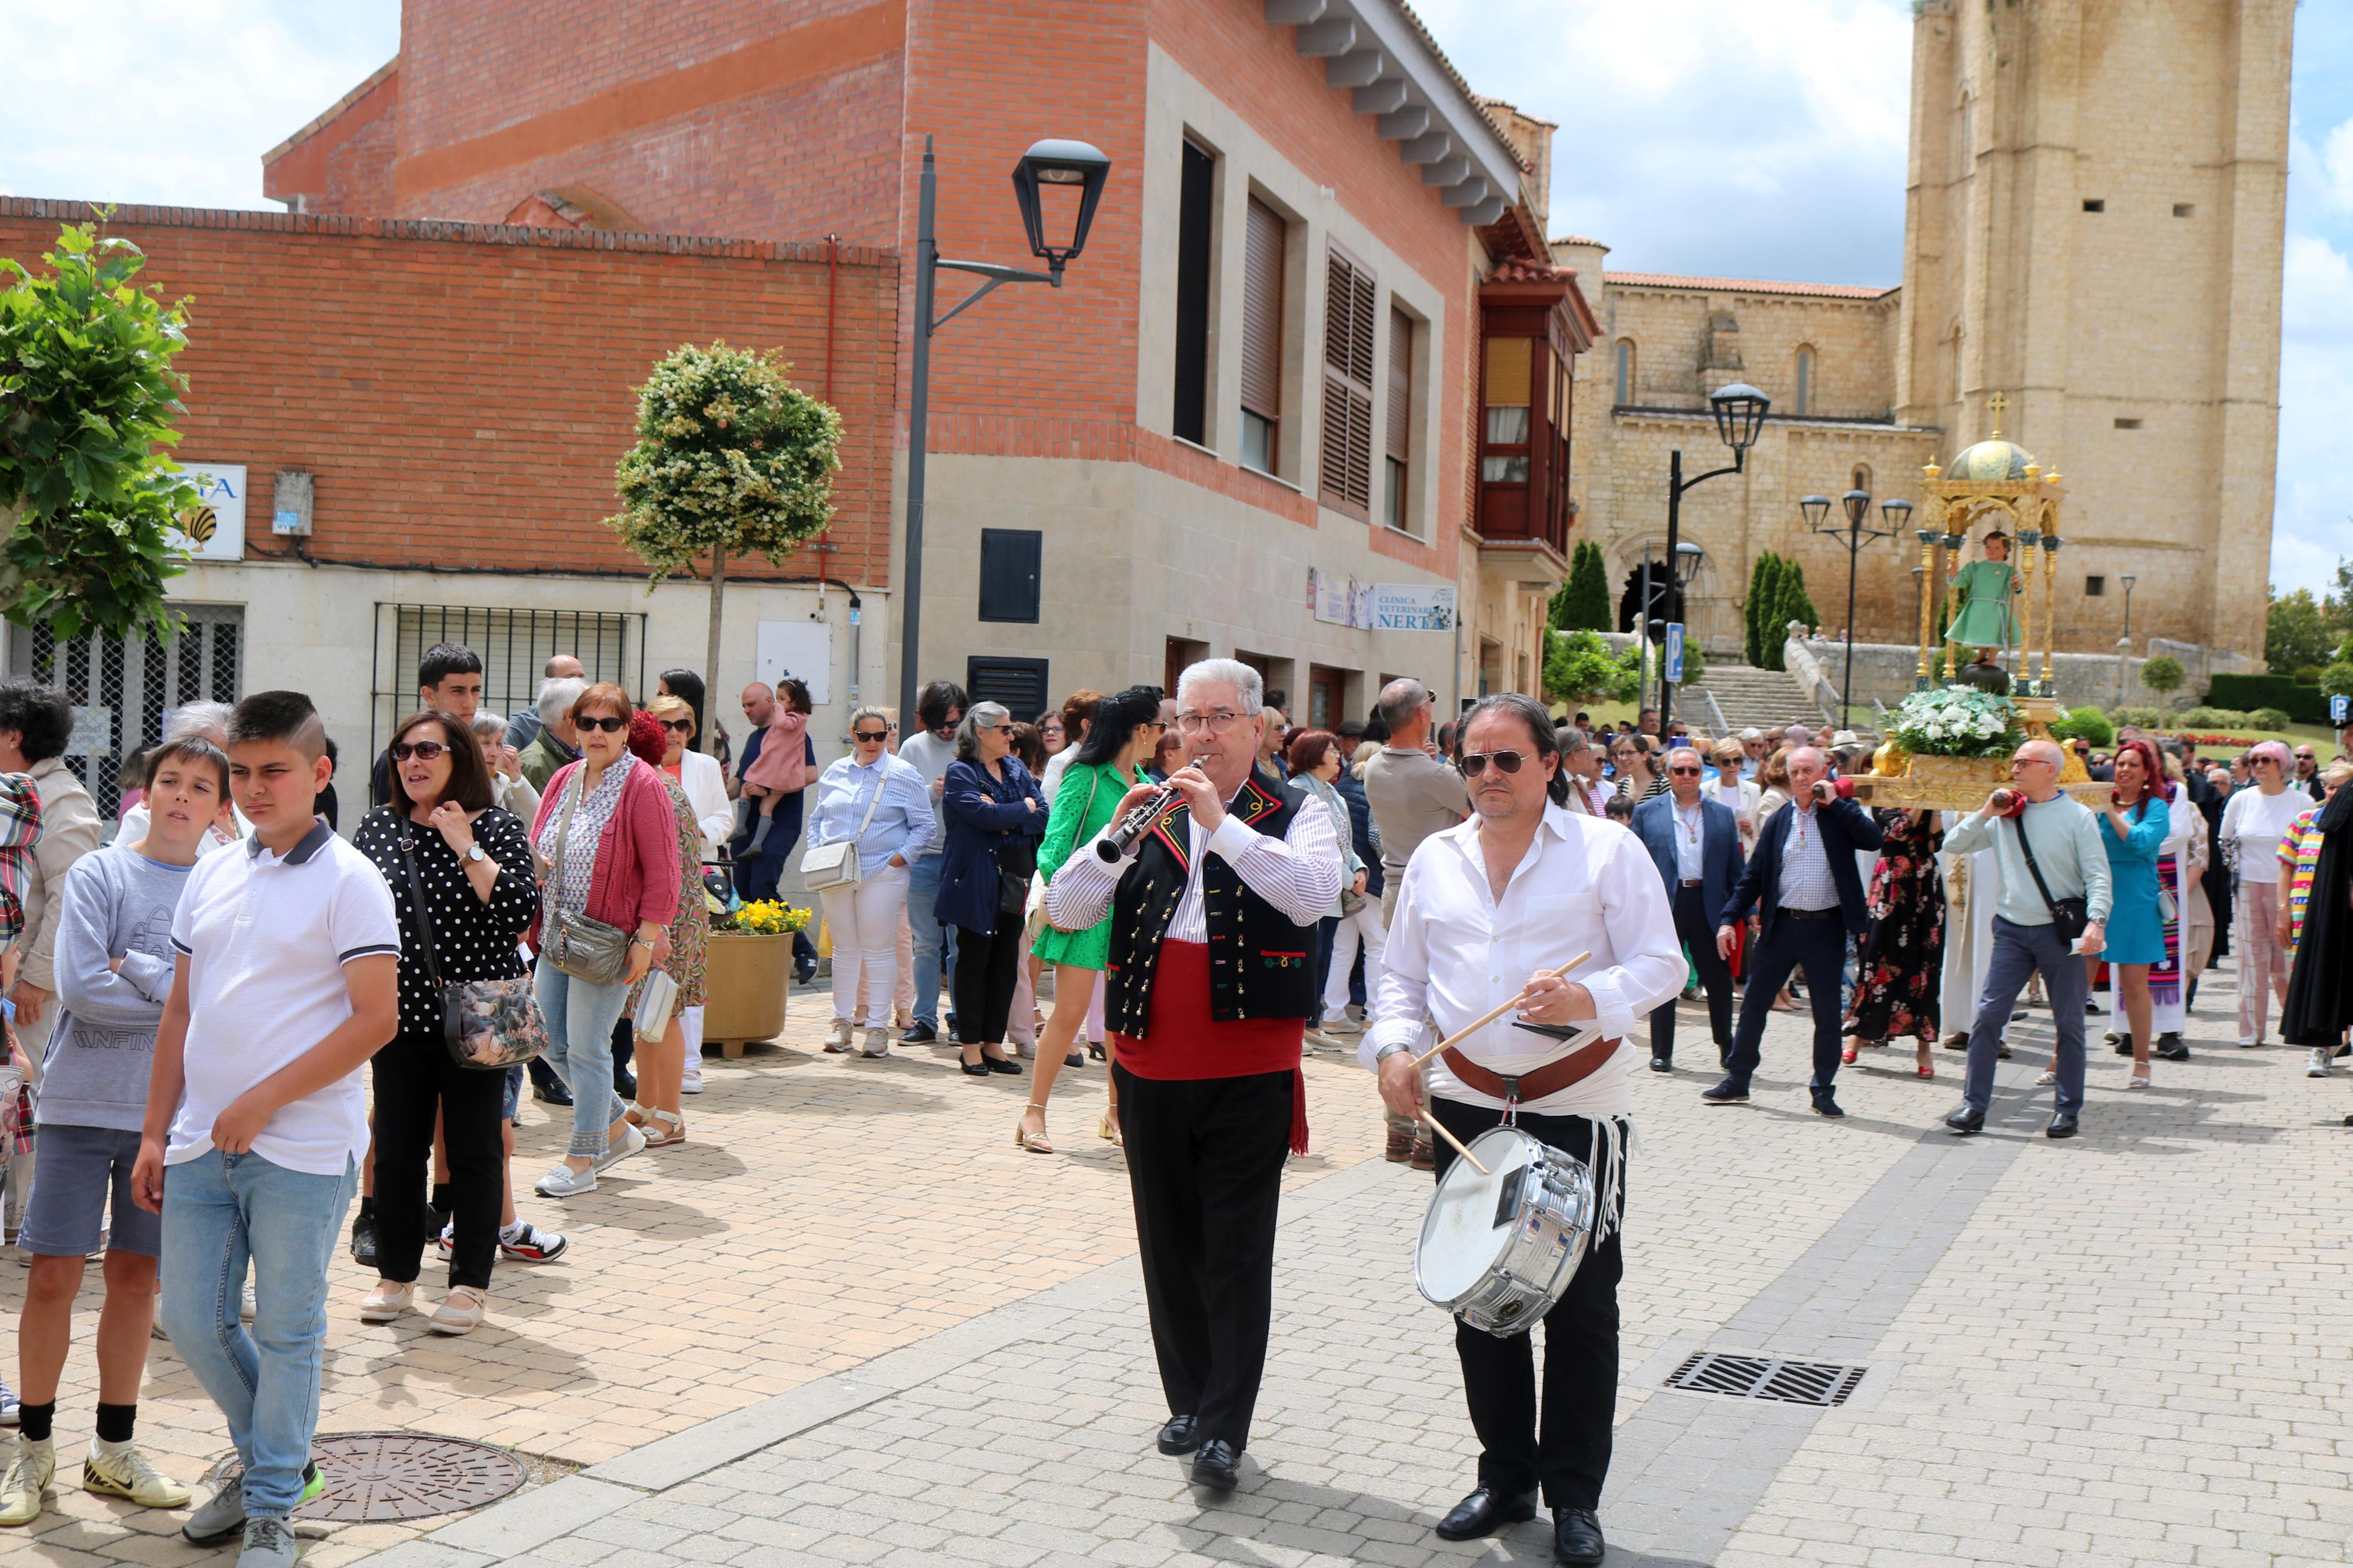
(1750, 608)
(1768, 611)
(1583, 602)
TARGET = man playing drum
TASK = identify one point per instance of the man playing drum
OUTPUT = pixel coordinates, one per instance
(1523, 887)
(1213, 914)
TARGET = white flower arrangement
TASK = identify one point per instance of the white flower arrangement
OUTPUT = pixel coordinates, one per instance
(1957, 721)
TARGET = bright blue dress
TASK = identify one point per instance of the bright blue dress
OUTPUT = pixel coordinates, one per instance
(2135, 930)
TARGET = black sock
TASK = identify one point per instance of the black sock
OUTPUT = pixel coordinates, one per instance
(115, 1421)
(368, 1208)
(36, 1420)
(441, 1196)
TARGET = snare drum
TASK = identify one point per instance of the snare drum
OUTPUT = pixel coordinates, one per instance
(1499, 1250)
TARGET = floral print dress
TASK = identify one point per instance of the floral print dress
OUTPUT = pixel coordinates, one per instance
(1903, 962)
(690, 933)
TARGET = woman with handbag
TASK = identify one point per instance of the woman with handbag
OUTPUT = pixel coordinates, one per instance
(460, 874)
(995, 817)
(607, 838)
(871, 819)
(661, 1054)
(1102, 768)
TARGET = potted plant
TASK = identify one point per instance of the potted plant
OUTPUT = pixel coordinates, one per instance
(746, 972)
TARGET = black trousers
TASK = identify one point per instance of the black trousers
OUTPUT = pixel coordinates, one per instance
(1816, 946)
(1568, 1454)
(987, 970)
(1205, 1166)
(414, 1079)
(1714, 977)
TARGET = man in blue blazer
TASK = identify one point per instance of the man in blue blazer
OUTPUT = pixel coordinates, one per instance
(1695, 844)
(1804, 880)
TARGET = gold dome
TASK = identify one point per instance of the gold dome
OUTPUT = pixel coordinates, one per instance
(1989, 462)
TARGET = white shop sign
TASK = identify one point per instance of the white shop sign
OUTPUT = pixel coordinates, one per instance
(1413, 606)
(215, 529)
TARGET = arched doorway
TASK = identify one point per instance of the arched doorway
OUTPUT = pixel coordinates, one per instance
(1666, 602)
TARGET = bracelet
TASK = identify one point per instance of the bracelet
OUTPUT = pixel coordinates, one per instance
(1395, 1048)
(641, 941)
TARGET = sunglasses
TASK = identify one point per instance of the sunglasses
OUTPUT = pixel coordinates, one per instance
(871, 737)
(611, 726)
(1681, 773)
(423, 750)
(678, 726)
(1475, 764)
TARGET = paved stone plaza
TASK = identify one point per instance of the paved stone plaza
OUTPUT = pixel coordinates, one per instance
(849, 1322)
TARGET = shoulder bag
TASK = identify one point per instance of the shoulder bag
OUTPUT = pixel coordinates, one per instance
(1015, 858)
(2068, 916)
(831, 866)
(582, 948)
(1034, 916)
(488, 1025)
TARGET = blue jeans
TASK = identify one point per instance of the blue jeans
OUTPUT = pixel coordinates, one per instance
(219, 1210)
(2018, 951)
(932, 938)
(580, 1019)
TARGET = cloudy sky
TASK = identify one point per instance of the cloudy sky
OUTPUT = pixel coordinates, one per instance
(1811, 187)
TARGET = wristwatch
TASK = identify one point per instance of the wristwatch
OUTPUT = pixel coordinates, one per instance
(474, 852)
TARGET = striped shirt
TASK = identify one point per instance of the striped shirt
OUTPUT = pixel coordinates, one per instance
(2299, 861)
(1806, 881)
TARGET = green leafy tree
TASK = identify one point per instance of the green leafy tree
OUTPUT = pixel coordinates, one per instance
(2337, 680)
(1772, 570)
(2163, 674)
(2338, 606)
(2089, 725)
(731, 459)
(1752, 611)
(1577, 668)
(88, 395)
(1583, 601)
(2297, 633)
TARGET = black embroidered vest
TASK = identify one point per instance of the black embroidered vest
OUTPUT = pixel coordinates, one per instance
(1262, 962)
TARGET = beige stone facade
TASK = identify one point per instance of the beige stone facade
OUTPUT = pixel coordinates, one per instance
(2094, 229)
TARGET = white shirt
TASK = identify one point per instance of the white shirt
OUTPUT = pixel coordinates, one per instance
(265, 939)
(1691, 832)
(1056, 766)
(1455, 951)
(2257, 822)
(1806, 882)
(1298, 873)
(705, 784)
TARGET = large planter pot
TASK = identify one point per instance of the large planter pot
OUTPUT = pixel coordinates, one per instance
(746, 976)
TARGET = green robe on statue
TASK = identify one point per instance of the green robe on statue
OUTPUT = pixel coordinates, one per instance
(1985, 620)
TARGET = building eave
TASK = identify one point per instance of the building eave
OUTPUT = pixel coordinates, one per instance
(326, 116)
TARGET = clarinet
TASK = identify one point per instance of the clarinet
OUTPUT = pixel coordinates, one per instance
(1113, 849)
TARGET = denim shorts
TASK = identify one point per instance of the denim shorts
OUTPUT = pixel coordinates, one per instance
(79, 1167)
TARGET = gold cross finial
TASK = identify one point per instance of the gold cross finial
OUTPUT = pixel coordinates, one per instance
(1994, 405)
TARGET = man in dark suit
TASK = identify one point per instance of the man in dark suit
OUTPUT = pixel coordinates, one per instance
(1695, 844)
(1804, 879)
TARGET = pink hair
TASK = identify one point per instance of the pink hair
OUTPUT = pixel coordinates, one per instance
(2275, 750)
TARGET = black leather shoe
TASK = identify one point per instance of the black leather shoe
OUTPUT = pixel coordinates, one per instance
(1662, 1064)
(364, 1241)
(1216, 1465)
(559, 1095)
(1965, 1119)
(2063, 1125)
(1731, 1091)
(1181, 1435)
(1484, 1512)
(2170, 1048)
(1004, 1065)
(1824, 1105)
(1576, 1536)
(920, 1033)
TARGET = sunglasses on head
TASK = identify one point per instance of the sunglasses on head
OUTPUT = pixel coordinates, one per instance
(610, 725)
(1473, 763)
(423, 750)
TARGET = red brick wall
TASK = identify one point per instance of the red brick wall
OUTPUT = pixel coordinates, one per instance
(344, 166)
(462, 393)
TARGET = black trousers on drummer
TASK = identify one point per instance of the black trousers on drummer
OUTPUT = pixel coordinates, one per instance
(1205, 1165)
(987, 969)
(414, 1077)
(1692, 928)
(1568, 1455)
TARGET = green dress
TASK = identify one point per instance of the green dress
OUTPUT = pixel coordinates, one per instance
(1084, 802)
(1985, 620)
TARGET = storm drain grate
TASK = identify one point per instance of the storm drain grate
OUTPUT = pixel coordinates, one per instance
(1762, 1377)
(378, 1476)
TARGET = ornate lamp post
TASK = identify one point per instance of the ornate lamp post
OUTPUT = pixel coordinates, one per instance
(1071, 166)
(1856, 505)
(1739, 415)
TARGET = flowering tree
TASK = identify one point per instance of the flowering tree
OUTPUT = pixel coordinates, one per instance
(731, 459)
(88, 499)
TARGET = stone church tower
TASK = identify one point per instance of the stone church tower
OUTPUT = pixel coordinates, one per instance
(2094, 224)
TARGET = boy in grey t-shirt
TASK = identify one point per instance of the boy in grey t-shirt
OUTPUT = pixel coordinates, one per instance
(114, 966)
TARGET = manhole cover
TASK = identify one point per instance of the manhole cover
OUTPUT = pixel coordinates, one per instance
(1764, 1377)
(375, 1477)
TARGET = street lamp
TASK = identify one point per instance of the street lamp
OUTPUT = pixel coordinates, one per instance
(1060, 165)
(2128, 580)
(1739, 411)
(1857, 528)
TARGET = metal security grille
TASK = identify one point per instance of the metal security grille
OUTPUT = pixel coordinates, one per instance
(515, 645)
(1762, 1377)
(123, 692)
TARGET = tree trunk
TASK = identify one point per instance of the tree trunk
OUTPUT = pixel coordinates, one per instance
(711, 655)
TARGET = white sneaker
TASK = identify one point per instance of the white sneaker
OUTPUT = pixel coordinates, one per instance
(31, 1475)
(125, 1473)
(632, 1142)
(690, 1085)
(877, 1043)
(837, 1038)
(2316, 1065)
(564, 1182)
(2248, 1042)
(1341, 1024)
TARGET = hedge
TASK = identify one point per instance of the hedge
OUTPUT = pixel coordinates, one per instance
(2303, 704)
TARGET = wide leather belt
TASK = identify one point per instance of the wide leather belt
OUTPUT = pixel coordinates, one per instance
(1528, 1088)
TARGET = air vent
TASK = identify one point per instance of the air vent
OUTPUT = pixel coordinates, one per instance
(2184, 209)
(2128, 424)
(2094, 204)
(1819, 1383)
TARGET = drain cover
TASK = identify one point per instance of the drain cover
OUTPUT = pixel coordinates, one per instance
(1762, 1377)
(375, 1477)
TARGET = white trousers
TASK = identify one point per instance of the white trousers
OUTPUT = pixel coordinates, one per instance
(865, 924)
(1363, 927)
(690, 1028)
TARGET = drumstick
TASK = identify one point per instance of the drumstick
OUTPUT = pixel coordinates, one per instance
(1469, 1030)
(1439, 1128)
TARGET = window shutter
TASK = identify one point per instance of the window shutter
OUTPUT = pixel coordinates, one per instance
(1348, 309)
(1262, 311)
(1400, 420)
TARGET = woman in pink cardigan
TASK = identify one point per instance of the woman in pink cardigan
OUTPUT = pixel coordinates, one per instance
(615, 860)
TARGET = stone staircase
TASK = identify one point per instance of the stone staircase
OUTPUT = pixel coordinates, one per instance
(1749, 696)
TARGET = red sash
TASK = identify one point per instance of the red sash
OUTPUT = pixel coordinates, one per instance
(1185, 1042)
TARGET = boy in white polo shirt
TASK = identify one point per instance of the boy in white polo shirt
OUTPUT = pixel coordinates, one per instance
(286, 982)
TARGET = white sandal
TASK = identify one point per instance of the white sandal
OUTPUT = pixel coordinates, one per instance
(676, 1123)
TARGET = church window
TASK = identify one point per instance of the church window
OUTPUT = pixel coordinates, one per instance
(2128, 424)
(2095, 587)
(1625, 370)
(1805, 400)
(2095, 205)
(2183, 209)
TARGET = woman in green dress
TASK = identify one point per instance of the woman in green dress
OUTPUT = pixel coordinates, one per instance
(1984, 619)
(1124, 736)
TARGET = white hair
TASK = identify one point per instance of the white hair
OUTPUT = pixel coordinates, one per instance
(209, 719)
(556, 696)
(1230, 672)
(968, 735)
(489, 725)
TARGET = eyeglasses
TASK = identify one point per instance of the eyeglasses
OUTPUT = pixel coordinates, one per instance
(1473, 763)
(611, 726)
(1681, 773)
(2029, 762)
(423, 750)
(678, 726)
(1216, 723)
(871, 737)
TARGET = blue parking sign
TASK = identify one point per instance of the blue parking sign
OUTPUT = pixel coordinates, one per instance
(1673, 669)
(2337, 708)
